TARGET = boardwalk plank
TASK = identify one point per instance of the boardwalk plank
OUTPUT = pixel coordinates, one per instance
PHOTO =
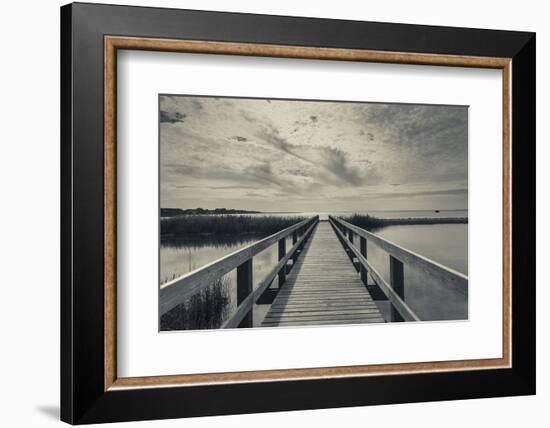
(324, 311)
(373, 312)
(296, 323)
(322, 315)
(323, 298)
(322, 288)
(324, 306)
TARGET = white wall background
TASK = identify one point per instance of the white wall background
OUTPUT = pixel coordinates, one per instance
(29, 218)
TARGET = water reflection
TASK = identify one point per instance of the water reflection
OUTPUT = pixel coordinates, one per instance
(182, 255)
(427, 297)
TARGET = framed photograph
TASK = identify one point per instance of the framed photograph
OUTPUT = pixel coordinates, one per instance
(265, 213)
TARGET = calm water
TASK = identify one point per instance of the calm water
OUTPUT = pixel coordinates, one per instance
(445, 243)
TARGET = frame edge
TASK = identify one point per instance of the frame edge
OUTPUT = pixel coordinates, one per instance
(523, 130)
(78, 405)
(66, 304)
(113, 43)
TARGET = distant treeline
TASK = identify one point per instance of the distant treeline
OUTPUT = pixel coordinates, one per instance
(186, 225)
(172, 212)
(370, 223)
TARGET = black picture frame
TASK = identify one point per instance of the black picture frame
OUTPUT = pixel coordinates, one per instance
(83, 398)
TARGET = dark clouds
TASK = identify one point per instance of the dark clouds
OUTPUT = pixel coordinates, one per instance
(423, 128)
(239, 138)
(171, 117)
(309, 153)
(336, 161)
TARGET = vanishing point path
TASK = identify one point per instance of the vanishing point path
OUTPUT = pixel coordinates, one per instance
(323, 287)
(318, 282)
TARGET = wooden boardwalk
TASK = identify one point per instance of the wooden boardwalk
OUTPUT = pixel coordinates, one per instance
(323, 288)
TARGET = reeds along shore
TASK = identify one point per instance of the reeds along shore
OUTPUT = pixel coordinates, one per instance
(205, 310)
(186, 225)
(372, 223)
(194, 225)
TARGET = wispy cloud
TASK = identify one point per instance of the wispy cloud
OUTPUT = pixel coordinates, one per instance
(271, 136)
(304, 155)
(413, 194)
(336, 161)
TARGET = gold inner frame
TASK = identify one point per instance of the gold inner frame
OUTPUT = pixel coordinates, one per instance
(113, 43)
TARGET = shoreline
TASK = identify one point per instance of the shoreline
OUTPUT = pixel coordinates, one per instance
(225, 226)
(371, 223)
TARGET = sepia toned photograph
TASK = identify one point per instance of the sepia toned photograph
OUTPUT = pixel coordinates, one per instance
(287, 213)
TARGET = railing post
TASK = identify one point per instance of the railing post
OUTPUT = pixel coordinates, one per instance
(350, 234)
(282, 252)
(294, 240)
(244, 288)
(363, 249)
(397, 283)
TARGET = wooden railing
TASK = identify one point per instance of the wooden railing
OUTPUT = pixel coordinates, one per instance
(398, 256)
(180, 289)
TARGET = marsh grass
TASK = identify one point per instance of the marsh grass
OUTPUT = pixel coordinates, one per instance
(368, 222)
(206, 309)
(196, 241)
(186, 225)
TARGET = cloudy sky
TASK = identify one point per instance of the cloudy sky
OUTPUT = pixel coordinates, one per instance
(279, 155)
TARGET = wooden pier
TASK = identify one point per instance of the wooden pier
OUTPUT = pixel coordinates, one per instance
(325, 278)
(322, 288)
